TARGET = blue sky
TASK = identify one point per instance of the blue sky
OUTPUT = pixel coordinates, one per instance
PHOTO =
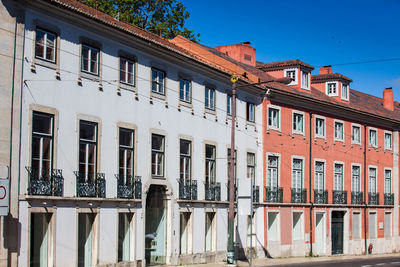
(317, 32)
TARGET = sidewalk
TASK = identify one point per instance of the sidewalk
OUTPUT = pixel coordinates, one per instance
(294, 260)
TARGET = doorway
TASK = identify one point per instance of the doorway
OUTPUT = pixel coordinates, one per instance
(337, 232)
(319, 233)
(156, 225)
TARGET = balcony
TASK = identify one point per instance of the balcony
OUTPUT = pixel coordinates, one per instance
(49, 182)
(235, 192)
(357, 198)
(213, 191)
(389, 199)
(274, 195)
(256, 193)
(187, 189)
(373, 198)
(320, 196)
(129, 187)
(90, 184)
(299, 195)
(339, 197)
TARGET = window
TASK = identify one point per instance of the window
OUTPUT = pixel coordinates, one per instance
(355, 179)
(185, 90)
(87, 149)
(388, 140)
(356, 134)
(90, 59)
(356, 226)
(251, 166)
(388, 224)
(86, 240)
(209, 100)
(157, 81)
(331, 88)
(127, 71)
(373, 138)
(372, 225)
(42, 145)
(124, 236)
(297, 226)
(185, 225)
(305, 80)
(185, 160)
(210, 164)
(345, 92)
(157, 155)
(273, 118)
(320, 127)
(45, 45)
(291, 73)
(250, 114)
(339, 131)
(210, 221)
(126, 155)
(388, 182)
(298, 123)
(372, 180)
(229, 105)
(272, 178)
(319, 175)
(273, 226)
(297, 174)
(338, 177)
(40, 239)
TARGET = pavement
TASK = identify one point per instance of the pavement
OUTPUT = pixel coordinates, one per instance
(350, 260)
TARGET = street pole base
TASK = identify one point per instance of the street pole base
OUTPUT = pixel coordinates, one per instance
(230, 258)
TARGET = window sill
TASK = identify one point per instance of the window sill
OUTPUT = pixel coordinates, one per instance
(158, 177)
(320, 137)
(305, 88)
(90, 76)
(298, 133)
(45, 63)
(158, 95)
(185, 104)
(210, 111)
(338, 140)
(274, 129)
(127, 86)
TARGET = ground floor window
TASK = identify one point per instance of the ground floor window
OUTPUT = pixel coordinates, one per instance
(40, 239)
(372, 225)
(273, 226)
(297, 230)
(251, 231)
(356, 225)
(388, 224)
(185, 233)
(85, 239)
(210, 231)
(124, 236)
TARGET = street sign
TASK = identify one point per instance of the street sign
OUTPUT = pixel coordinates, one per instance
(4, 191)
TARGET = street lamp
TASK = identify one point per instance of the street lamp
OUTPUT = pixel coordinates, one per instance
(231, 216)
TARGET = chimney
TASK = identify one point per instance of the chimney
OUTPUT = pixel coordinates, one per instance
(388, 99)
(242, 52)
(326, 70)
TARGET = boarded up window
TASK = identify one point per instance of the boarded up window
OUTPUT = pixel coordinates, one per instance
(388, 224)
(356, 226)
(273, 226)
(372, 225)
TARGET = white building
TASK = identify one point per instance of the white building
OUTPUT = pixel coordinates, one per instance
(124, 144)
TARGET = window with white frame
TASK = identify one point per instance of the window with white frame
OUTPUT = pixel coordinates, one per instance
(127, 71)
(87, 150)
(272, 175)
(338, 177)
(45, 45)
(297, 226)
(319, 127)
(298, 123)
(40, 239)
(209, 98)
(319, 175)
(372, 225)
(124, 236)
(157, 155)
(305, 80)
(185, 161)
(345, 91)
(157, 81)
(331, 88)
(90, 59)
(229, 105)
(297, 174)
(388, 140)
(388, 224)
(251, 166)
(126, 149)
(356, 225)
(339, 131)
(372, 180)
(185, 90)
(356, 134)
(210, 231)
(355, 179)
(210, 164)
(273, 226)
(373, 138)
(388, 181)
(273, 118)
(250, 112)
(291, 73)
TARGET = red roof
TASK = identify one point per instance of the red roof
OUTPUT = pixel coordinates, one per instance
(283, 64)
(329, 77)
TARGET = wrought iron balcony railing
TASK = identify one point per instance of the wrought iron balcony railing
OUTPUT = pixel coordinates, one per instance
(373, 198)
(256, 193)
(213, 191)
(299, 195)
(356, 198)
(320, 196)
(389, 199)
(274, 194)
(187, 189)
(339, 197)
(129, 187)
(90, 184)
(235, 192)
(48, 182)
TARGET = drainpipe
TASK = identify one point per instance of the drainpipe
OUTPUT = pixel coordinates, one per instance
(311, 203)
(365, 187)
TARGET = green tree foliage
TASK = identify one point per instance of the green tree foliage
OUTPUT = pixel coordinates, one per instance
(163, 17)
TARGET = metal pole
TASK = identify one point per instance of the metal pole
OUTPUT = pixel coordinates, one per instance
(231, 216)
(251, 223)
(365, 188)
(310, 177)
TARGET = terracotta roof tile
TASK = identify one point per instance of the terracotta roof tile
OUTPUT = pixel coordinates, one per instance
(329, 77)
(283, 64)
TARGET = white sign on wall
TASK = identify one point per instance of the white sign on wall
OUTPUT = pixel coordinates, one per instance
(4, 191)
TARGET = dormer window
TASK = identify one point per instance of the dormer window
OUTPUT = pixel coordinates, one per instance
(345, 91)
(332, 88)
(291, 73)
(305, 80)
